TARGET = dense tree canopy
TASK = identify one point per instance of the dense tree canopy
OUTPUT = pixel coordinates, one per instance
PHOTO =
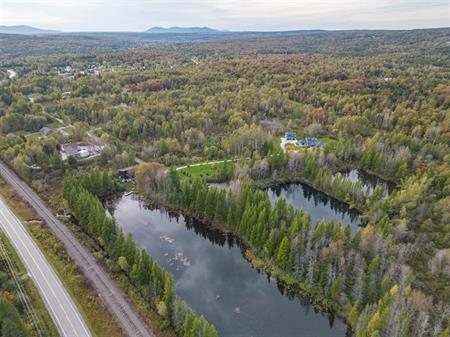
(379, 102)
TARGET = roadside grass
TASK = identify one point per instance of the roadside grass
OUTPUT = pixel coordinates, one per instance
(142, 307)
(52, 193)
(90, 305)
(20, 207)
(99, 320)
(44, 320)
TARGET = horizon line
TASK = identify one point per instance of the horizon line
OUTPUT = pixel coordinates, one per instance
(225, 30)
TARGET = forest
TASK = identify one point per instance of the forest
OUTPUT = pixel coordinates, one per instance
(82, 194)
(380, 102)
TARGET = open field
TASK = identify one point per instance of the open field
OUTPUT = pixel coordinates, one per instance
(206, 169)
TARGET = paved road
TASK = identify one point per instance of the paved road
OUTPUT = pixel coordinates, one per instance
(112, 297)
(64, 312)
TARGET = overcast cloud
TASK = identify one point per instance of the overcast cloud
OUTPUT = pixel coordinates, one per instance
(139, 15)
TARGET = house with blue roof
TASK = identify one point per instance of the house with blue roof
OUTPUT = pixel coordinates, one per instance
(310, 142)
(290, 135)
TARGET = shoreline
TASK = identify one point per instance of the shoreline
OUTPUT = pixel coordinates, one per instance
(317, 301)
(274, 182)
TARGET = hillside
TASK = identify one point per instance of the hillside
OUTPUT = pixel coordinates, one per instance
(26, 30)
(181, 30)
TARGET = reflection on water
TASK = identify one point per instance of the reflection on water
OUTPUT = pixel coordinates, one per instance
(318, 204)
(369, 181)
(214, 278)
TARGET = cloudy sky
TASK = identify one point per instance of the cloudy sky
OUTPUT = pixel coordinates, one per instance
(264, 15)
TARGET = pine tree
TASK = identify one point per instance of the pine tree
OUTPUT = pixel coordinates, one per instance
(318, 234)
(169, 295)
(210, 203)
(200, 199)
(354, 314)
(130, 249)
(220, 213)
(119, 246)
(336, 288)
(284, 255)
(269, 245)
(188, 324)
(179, 316)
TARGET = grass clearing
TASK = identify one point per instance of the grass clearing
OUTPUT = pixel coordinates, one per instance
(205, 169)
(328, 141)
(53, 125)
(99, 320)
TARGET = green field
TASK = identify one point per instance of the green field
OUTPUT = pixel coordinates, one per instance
(328, 141)
(53, 125)
(207, 169)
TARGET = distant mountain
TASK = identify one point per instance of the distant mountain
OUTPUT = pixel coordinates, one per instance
(26, 30)
(181, 30)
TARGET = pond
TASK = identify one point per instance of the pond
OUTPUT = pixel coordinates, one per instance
(319, 205)
(369, 181)
(213, 277)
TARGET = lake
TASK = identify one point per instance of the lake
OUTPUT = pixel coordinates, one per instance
(213, 277)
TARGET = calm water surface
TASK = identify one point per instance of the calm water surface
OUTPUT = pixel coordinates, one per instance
(214, 278)
(370, 181)
(319, 205)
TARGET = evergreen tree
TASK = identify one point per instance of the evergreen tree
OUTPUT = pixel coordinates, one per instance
(169, 295)
(336, 288)
(284, 255)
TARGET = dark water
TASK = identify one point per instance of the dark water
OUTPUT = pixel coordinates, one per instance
(214, 278)
(369, 181)
(319, 205)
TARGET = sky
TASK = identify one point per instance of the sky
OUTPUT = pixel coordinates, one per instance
(235, 15)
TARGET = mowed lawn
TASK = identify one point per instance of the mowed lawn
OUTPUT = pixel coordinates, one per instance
(206, 169)
(328, 141)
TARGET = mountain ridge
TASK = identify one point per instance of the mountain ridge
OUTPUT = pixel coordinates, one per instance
(181, 30)
(26, 30)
